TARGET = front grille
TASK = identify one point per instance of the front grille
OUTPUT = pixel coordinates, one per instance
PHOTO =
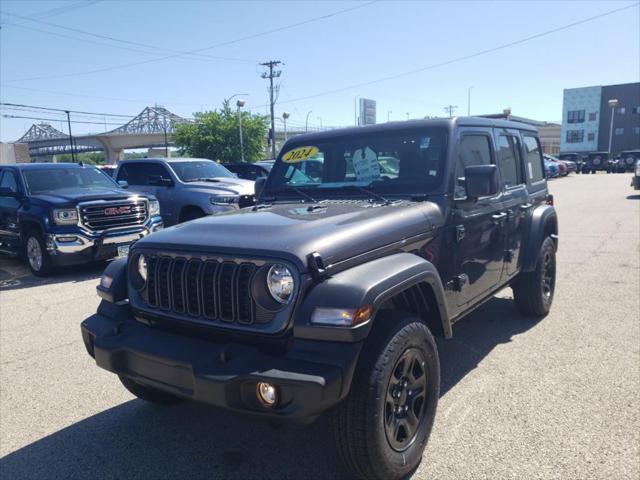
(102, 216)
(207, 290)
(246, 201)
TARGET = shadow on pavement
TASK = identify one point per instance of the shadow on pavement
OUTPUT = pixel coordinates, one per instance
(138, 440)
(15, 274)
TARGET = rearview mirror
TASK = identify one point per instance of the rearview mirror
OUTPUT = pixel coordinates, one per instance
(258, 186)
(123, 183)
(481, 181)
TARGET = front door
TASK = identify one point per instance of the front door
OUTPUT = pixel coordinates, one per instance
(152, 178)
(479, 224)
(9, 228)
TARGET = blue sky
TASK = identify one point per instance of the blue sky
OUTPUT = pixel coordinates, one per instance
(376, 40)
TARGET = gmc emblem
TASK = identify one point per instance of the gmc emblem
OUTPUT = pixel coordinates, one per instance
(111, 211)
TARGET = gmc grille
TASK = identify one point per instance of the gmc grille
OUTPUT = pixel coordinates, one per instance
(102, 216)
(207, 290)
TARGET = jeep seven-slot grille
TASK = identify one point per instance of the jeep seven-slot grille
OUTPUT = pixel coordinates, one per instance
(203, 289)
(114, 214)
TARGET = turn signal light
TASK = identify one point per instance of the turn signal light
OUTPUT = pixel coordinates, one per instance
(342, 317)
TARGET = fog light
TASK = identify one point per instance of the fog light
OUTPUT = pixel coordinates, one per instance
(106, 281)
(267, 394)
(70, 238)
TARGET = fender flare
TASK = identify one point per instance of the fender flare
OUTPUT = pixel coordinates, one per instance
(371, 283)
(544, 219)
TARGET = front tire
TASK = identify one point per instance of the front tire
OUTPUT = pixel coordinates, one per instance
(383, 426)
(37, 256)
(533, 291)
(149, 394)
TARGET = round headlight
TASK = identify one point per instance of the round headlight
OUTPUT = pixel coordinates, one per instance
(142, 267)
(280, 283)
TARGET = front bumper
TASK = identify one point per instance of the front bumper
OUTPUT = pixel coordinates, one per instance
(311, 376)
(74, 245)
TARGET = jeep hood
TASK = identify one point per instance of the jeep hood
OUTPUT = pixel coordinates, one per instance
(290, 231)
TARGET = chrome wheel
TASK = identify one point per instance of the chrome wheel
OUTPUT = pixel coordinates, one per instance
(405, 400)
(548, 275)
(34, 253)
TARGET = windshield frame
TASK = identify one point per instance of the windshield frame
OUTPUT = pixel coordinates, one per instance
(178, 173)
(283, 192)
(28, 190)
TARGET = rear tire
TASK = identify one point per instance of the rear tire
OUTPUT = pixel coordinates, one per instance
(36, 254)
(149, 394)
(533, 291)
(381, 429)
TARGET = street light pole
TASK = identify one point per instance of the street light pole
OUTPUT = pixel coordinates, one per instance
(227, 100)
(306, 121)
(613, 103)
(285, 115)
(389, 112)
(73, 156)
(240, 104)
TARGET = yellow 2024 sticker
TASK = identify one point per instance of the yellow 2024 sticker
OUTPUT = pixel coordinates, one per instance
(299, 154)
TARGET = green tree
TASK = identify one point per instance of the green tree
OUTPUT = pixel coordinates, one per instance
(215, 135)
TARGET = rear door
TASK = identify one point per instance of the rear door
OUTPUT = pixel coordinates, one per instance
(9, 205)
(515, 196)
(479, 236)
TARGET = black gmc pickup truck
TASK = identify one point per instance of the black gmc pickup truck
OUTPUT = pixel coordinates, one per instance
(327, 295)
(58, 214)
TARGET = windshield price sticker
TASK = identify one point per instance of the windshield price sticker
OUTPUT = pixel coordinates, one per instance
(299, 154)
(366, 166)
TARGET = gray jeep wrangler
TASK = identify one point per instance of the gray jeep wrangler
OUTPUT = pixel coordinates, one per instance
(326, 295)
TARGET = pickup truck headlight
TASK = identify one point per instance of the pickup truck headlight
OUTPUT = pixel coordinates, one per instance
(154, 208)
(224, 199)
(65, 216)
(280, 283)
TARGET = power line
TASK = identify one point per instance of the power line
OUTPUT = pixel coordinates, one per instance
(198, 50)
(5, 115)
(62, 9)
(97, 114)
(464, 57)
(114, 39)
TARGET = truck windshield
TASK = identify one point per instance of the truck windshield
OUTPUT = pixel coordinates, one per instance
(201, 170)
(402, 162)
(48, 180)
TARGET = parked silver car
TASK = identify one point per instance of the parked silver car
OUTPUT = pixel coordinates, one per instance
(187, 188)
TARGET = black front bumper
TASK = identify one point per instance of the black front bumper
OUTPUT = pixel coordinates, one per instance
(310, 376)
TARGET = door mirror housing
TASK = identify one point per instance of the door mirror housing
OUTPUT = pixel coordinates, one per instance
(481, 181)
(258, 186)
(123, 183)
(160, 181)
(7, 192)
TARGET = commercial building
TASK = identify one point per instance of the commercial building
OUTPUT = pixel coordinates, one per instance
(588, 113)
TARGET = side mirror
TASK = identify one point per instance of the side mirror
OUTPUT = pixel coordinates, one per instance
(258, 186)
(481, 181)
(160, 181)
(7, 192)
(123, 183)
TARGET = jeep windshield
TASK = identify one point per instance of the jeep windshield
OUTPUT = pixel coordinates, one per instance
(47, 180)
(397, 163)
(200, 171)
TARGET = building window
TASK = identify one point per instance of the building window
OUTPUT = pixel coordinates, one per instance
(575, 116)
(621, 110)
(591, 137)
(593, 116)
(636, 110)
(575, 136)
(636, 130)
(619, 131)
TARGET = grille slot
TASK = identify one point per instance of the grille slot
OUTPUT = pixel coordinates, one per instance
(206, 289)
(111, 215)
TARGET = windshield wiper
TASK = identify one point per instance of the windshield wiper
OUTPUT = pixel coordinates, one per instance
(371, 193)
(300, 193)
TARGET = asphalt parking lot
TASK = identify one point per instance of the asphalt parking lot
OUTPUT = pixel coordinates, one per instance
(555, 398)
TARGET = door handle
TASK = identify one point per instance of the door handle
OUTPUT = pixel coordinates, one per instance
(525, 206)
(499, 217)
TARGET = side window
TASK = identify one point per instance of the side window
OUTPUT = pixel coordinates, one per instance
(509, 163)
(139, 173)
(8, 180)
(533, 153)
(472, 150)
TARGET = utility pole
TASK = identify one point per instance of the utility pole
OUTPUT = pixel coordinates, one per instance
(272, 100)
(73, 156)
(450, 109)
